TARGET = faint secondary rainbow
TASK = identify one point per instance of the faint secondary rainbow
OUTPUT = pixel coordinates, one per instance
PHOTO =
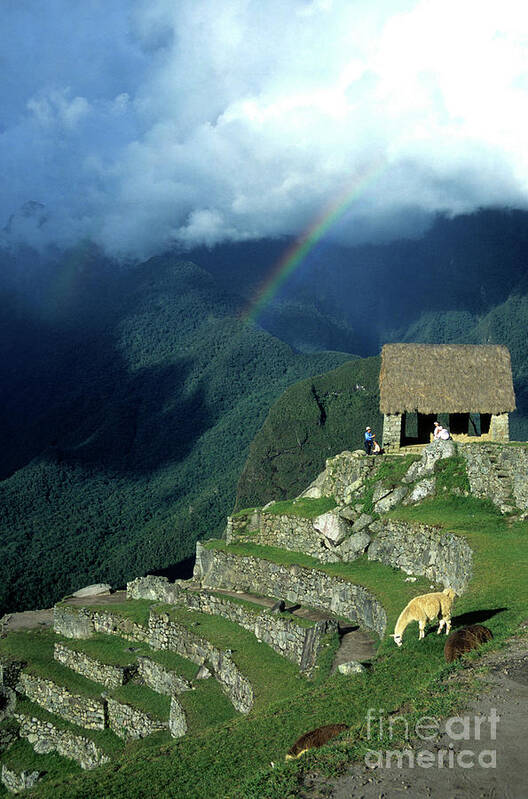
(297, 252)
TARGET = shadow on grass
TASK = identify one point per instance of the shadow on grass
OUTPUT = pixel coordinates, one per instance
(475, 617)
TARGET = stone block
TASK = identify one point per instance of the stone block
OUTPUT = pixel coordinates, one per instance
(353, 547)
(93, 590)
(332, 528)
(352, 667)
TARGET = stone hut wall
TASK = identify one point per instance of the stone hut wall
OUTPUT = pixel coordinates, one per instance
(84, 622)
(45, 737)
(216, 568)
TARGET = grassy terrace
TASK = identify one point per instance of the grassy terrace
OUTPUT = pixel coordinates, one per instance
(232, 760)
(36, 647)
(104, 739)
(136, 610)
(271, 675)
(206, 706)
(255, 608)
(22, 757)
(386, 583)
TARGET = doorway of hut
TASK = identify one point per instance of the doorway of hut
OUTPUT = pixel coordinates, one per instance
(417, 428)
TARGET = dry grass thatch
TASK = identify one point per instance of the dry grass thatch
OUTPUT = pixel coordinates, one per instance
(434, 378)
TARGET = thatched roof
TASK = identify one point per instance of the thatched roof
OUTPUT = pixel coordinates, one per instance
(434, 378)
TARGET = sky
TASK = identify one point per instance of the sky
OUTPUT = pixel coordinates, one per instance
(149, 124)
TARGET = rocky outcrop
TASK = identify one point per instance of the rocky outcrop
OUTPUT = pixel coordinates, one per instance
(216, 568)
(420, 549)
(46, 737)
(345, 475)
(432, 453)
(177, 719)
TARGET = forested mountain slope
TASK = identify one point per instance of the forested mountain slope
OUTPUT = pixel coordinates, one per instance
(127, 404)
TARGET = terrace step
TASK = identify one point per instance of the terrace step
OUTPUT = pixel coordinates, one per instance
(22, 767)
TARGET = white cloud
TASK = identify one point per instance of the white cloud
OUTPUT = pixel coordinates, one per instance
(228, 119)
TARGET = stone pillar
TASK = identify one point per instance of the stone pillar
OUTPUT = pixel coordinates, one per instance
(392, 424)
(500, 427)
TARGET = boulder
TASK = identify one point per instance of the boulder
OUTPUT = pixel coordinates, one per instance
(351, 667)
(361, 523)
(348, 513)
(93, 590)
(425, 488)
(203, 673)
(332, 527)
(390, 500)
(353, 547)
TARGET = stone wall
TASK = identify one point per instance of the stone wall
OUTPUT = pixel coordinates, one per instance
(18, 781)
(130, 722)
(92, 669)
(499, 473)
(177, 720)
(421, 549)
(167, 634)
(286, 532)
(45, 737)
(297, 643)
(500, 427)
(216, 568)
(10, 669)
(160, 679)
(75, 622)
(87, 712)
(392, 425)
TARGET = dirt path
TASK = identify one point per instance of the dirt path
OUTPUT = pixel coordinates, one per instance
(471, 775)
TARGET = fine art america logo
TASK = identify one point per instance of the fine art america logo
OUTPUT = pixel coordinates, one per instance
(430, 729)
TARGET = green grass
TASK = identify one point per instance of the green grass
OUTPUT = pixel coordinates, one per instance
(270, 675)
(108, 649)
(143, 698)
(206, 706)
(36, 647)
(304, 508)
(451, 475)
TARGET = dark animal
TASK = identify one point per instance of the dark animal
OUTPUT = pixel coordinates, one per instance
(314, 738)
(464, 639)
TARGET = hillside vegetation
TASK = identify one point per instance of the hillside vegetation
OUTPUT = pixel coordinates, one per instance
(313, 420)
(127, 405)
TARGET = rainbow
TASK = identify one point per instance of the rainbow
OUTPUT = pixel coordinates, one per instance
(297, 252)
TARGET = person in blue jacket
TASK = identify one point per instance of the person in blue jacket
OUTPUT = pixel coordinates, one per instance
(369, 440)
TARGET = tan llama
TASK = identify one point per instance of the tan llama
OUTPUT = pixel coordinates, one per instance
(425, 607)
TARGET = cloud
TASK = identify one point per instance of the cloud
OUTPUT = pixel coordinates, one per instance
(146, 124)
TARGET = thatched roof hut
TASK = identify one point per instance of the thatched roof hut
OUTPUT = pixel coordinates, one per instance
(445, 378)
